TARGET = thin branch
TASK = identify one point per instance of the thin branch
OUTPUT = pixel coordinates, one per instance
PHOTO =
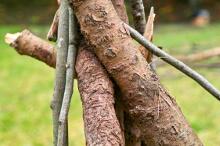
(52, 33)
(148, 34)
(174, 62)
(138, 13)
(62, 49)
(70, 73)
(200, 55)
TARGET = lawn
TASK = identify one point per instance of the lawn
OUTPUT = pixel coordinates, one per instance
(26, 88)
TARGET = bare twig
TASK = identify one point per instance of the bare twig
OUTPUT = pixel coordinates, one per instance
(174, 62)
(62, 49)
(70, 73)
(200, 55)
(52, 33)
(148, 34)
(138, 15)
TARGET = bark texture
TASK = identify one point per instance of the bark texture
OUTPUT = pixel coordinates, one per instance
(130, 130)
(28, 44)
(96, 90)
(146, 101)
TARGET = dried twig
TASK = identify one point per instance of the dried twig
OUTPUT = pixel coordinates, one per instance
(174, 62)
(62, 49)
(70, 73)
(148, 34)
(52, 33)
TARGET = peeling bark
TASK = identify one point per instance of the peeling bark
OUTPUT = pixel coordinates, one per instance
(146, 101)
(96, 90)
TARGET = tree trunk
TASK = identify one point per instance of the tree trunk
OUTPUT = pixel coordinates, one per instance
(146, 101)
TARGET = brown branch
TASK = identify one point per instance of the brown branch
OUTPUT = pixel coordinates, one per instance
(100, 91)
(96, 90)
(131, 132)
(196, 57)
(150, 106)
(25, 43)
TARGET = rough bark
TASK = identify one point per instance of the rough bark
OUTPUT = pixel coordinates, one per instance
(131, 132)
(96, 90)
(137, 9)
(146, 101)
(25, 43)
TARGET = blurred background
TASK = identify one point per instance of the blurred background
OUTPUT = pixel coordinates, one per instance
(26, 85)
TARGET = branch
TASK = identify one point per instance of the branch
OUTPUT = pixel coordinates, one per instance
(148, 34)
(62, 49)
(97, 94)
(200, 56)
(153, 110)
(91, 74)
(70, 73)
(52, 33)
(138, 13)
(25, 43)
(174, 62)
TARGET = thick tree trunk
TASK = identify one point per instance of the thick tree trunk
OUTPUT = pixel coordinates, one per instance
(96, 89)
(146, 101)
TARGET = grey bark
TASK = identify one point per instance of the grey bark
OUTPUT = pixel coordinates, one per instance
(59, 87)
(70, 73)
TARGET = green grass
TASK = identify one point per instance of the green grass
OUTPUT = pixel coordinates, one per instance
(26, 88)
